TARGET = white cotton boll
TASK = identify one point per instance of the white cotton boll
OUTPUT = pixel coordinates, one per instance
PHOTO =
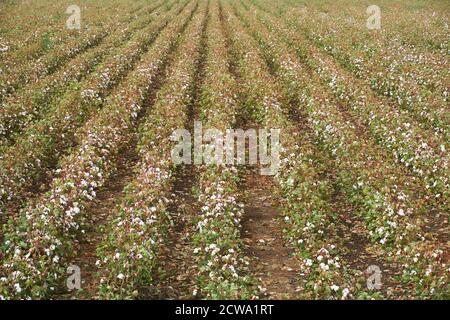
(324, 267)
(18, 288)
(345, 293)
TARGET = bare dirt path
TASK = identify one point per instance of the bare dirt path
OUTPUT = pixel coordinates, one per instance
(178, 269)
(177, 275)
(358, 250)
(272, 263)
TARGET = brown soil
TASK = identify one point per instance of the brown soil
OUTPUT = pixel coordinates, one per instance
(178, 270)
(359, 251)
(272, 263)
(177, 273)
(101, 211)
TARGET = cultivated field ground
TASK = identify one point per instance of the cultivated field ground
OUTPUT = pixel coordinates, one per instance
(100, 98)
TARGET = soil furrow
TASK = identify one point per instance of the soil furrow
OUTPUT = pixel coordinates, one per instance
(178, 266)
(272, 262)
(110, 196)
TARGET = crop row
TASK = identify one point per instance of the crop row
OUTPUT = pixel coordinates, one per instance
(217, 241)
(128, 254)
(39, 239)
(22, 42)
(386, 198)
(32, 71)
(428, 33)
(392, 38)
(43, 142)
(406, 78)
(412, 147)
(310, 220)
(33, 101)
